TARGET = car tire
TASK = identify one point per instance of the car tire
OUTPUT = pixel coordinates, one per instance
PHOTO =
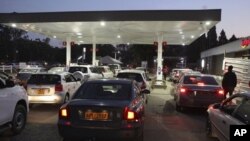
(19, 119)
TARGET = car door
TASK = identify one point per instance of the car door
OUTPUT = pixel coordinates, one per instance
(71, 84)
(223, 117)
(7, 103)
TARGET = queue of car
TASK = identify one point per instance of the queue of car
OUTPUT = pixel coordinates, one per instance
(89, 102)
(115, 107)
(196, 90)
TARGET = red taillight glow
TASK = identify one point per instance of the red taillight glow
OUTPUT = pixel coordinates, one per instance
(183, 90)
(129, 114)
(221, 92)
(58, 87)
(64, 112)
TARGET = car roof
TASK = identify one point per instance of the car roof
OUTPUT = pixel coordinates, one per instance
(82, 66)
(51, 73)
(114, 80)
(131, 71)
(198, 74)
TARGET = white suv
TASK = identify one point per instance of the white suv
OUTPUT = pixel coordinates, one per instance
(105, 71)
(85, 72)
(14, 106)
(51, 88)
(139, 76)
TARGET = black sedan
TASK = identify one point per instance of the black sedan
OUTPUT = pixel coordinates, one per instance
(103, 109)
(197, 90)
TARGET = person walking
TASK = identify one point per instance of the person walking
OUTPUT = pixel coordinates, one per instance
(229, 82)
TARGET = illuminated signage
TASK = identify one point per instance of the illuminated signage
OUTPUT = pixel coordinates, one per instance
(245, 43)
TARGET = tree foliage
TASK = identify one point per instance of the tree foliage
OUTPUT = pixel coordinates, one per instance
(223, 38)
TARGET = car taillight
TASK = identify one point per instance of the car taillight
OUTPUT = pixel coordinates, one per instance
(58, 87)
(183, 90)
(64, 113)
(220, 92)
(129, 114)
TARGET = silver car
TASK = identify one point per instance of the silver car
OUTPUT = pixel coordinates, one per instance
(51, 88)
(232, 111)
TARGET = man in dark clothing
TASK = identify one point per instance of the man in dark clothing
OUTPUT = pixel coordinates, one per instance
(229, 82)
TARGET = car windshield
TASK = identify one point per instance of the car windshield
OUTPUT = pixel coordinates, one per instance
(95, 70)
(44, 79)
(113, 66)
(82, 69)
(132, 76)
(206, 80)
(23, 76)
(109, 91)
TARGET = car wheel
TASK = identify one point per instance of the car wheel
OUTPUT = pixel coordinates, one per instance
(19, 119)
(66, 99)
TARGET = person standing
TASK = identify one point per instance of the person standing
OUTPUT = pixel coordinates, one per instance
(165, 72)
(229, 82)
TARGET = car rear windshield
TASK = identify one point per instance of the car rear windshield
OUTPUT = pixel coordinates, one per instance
(206, 80)
(44, 79)
(82, 69)
(107, 91)
(132, 76)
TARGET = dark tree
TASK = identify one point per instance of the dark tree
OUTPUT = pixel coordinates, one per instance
(212, 38)
(223, 38)
(195, 48)
(233, 38)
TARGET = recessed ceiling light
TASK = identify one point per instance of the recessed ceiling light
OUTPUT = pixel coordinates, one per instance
(78, 33)
(118, 36)
(103, 23)
(208, 23)
(181, 32)
(183, 37)
(192, 36)
(54, 36)
(128, 43)
(183, 44)
(13, 25)
(81, 41)
(79, 37)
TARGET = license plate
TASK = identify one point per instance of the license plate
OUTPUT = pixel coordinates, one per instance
(96, 116)
(40, 91)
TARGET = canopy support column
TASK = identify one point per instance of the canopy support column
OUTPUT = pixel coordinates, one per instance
(68, 51)
(159, 57)
(94, 51)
